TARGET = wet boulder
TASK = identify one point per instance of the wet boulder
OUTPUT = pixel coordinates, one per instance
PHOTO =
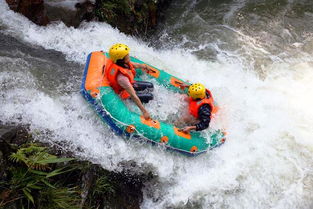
(34, 10)
(85, 11)
(136, 17)
(85, 184)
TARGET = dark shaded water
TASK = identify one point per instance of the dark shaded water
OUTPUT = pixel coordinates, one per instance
(278, 30)
(51, 72)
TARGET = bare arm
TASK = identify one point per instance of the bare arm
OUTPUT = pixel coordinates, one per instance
(142, 66)
(123, 81)
(137, 101)
(137, 65)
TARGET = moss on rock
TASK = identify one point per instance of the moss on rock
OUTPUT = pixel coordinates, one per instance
(136, 17)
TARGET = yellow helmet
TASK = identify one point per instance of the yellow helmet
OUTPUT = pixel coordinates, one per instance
(196, 91)
(118, 51)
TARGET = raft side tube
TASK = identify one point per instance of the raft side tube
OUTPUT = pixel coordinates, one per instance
(112, 110)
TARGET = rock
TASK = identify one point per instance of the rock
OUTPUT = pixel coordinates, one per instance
(32, 9)
(114, 190)
(62, 14)
(136, 17)
(11, 136)
(129, 190)
(87, 181)
(2, 164)
(85, 12)
(7, 133)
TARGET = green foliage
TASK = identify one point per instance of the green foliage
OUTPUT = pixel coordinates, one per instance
(102, 193)
(33, 177)
(40, 180)
(130, 16)
(111, 9)
(60, 197)
(35, 157)
(103, 187)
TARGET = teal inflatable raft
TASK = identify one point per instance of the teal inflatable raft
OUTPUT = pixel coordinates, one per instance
(97, 91)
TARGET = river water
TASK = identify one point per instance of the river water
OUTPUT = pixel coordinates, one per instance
(255, 56)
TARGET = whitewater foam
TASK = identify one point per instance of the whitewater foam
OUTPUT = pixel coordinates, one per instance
(265, 163)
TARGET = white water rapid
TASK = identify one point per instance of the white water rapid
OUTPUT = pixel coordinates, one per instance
(266, 161)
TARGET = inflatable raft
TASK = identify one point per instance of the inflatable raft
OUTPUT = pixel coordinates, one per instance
(112, 110)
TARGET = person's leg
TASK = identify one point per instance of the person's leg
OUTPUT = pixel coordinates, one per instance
(144, 97)
(142, 85)
(185, 119)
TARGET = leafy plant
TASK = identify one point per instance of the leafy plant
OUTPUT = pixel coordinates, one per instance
(103, 187)
(33, 176)
(60, 197)
(111, 9)
(36, 157)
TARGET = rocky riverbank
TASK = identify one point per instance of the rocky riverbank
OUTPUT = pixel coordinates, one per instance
(138, 17)
(35, 175)
(131, 17)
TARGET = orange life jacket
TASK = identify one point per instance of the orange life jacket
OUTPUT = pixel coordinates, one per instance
(194, 105)
(112, 70)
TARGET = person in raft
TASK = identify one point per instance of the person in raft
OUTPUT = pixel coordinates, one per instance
(121, 73)
(201, 107)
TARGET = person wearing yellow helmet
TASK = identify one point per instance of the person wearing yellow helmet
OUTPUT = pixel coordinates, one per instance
(120, 72)
(201, 107)
(118, 52)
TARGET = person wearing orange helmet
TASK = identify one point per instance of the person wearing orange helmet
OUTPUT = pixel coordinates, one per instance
(120, 72)
(201, 107)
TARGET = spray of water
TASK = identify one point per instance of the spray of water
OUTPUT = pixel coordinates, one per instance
(265, 163)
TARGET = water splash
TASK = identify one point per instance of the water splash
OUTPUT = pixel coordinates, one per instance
(266, 161)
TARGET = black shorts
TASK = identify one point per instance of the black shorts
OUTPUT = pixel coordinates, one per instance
(143, 89)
